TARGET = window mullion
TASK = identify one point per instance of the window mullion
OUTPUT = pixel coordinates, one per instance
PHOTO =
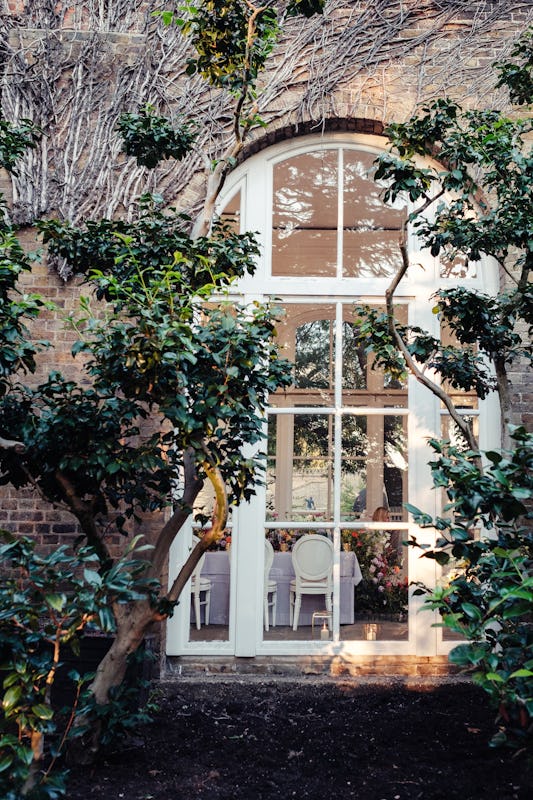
(337, 465)
(340, 212)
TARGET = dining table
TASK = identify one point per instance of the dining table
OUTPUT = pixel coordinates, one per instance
(216, 567)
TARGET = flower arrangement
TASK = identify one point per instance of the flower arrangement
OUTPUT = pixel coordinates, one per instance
(384, 589)
(364, 543)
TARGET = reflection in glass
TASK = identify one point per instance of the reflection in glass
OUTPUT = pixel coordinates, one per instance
(300, 467)
(359, 373)
(381, 583)
(354, 359)
(314, 621)
(354, 463)
(231, 215)
(374, 466)
(370, 235)
(313, 356)
(306, 336)
(304, 216)
(457, 267)
(210, 593)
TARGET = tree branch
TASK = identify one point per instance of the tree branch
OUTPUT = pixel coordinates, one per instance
(209, 536)
(85, 516)
(433, 387)
(192, 487)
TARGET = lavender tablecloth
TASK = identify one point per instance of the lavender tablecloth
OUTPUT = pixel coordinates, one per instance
(217, 569)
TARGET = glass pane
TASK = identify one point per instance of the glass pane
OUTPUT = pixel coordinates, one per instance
(304, 216)
(313, 619)
(305, 334)
(300, 467)
(449, 429)
(210, 593)
(359, 373)
(313, 357)
(374, 467)
(231, 215)
(354, 359)
(375, 561)
(461, 397)
(354, 465)
(458, 267)
(370, 236)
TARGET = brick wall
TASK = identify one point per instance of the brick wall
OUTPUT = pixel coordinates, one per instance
(439, 47)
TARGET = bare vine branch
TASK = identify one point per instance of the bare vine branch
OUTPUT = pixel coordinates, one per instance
(74, 68)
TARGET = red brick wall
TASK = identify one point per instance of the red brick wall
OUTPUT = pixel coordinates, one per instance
(469, 41)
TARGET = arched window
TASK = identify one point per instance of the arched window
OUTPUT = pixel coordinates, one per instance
(345, 445)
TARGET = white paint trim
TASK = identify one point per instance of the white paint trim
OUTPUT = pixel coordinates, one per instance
(254, 179)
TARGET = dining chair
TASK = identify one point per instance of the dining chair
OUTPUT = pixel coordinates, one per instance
(270, 587)
(200, 586)
(312, 560)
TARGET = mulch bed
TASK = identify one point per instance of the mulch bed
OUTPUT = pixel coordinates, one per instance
(259, 739)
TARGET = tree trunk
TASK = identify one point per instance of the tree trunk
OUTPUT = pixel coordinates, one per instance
(133, 622)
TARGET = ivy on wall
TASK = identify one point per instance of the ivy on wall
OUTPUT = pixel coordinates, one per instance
(74, 68)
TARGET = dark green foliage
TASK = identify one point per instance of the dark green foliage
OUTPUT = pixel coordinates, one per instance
(149, 355)
(151, 138)
(46, 602)
(155, 240)
(17, 353)
(371, 332)
(485, 529)
(15, 140)
(466, 139)
(463, 367)
(227, 54)
(489, 323)
(489, 598)
(233, 39)
(306, 8)
(517, 75)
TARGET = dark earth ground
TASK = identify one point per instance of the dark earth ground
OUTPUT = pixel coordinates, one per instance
(268, 739)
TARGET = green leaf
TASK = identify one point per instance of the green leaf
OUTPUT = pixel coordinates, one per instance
(11, 698)
(93, 578)
(6, 761)
(42, 711)
(56, 601)
(471, 610)
(522, 673)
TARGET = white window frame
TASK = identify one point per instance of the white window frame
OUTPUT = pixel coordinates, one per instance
(254, 179)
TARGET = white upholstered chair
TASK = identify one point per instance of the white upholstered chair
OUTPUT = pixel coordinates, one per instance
(200, 591)
(312, 560)
(270, 587)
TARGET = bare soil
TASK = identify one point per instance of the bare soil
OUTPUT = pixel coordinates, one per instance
(258, 739)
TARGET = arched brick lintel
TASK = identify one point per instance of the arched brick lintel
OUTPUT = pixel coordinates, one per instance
(330, 125)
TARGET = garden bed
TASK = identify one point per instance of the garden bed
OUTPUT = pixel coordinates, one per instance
(242, 739)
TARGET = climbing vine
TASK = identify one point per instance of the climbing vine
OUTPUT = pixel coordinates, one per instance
(73, 68)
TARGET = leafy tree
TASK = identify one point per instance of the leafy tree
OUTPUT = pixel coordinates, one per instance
(173, 377)
(478, 201)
